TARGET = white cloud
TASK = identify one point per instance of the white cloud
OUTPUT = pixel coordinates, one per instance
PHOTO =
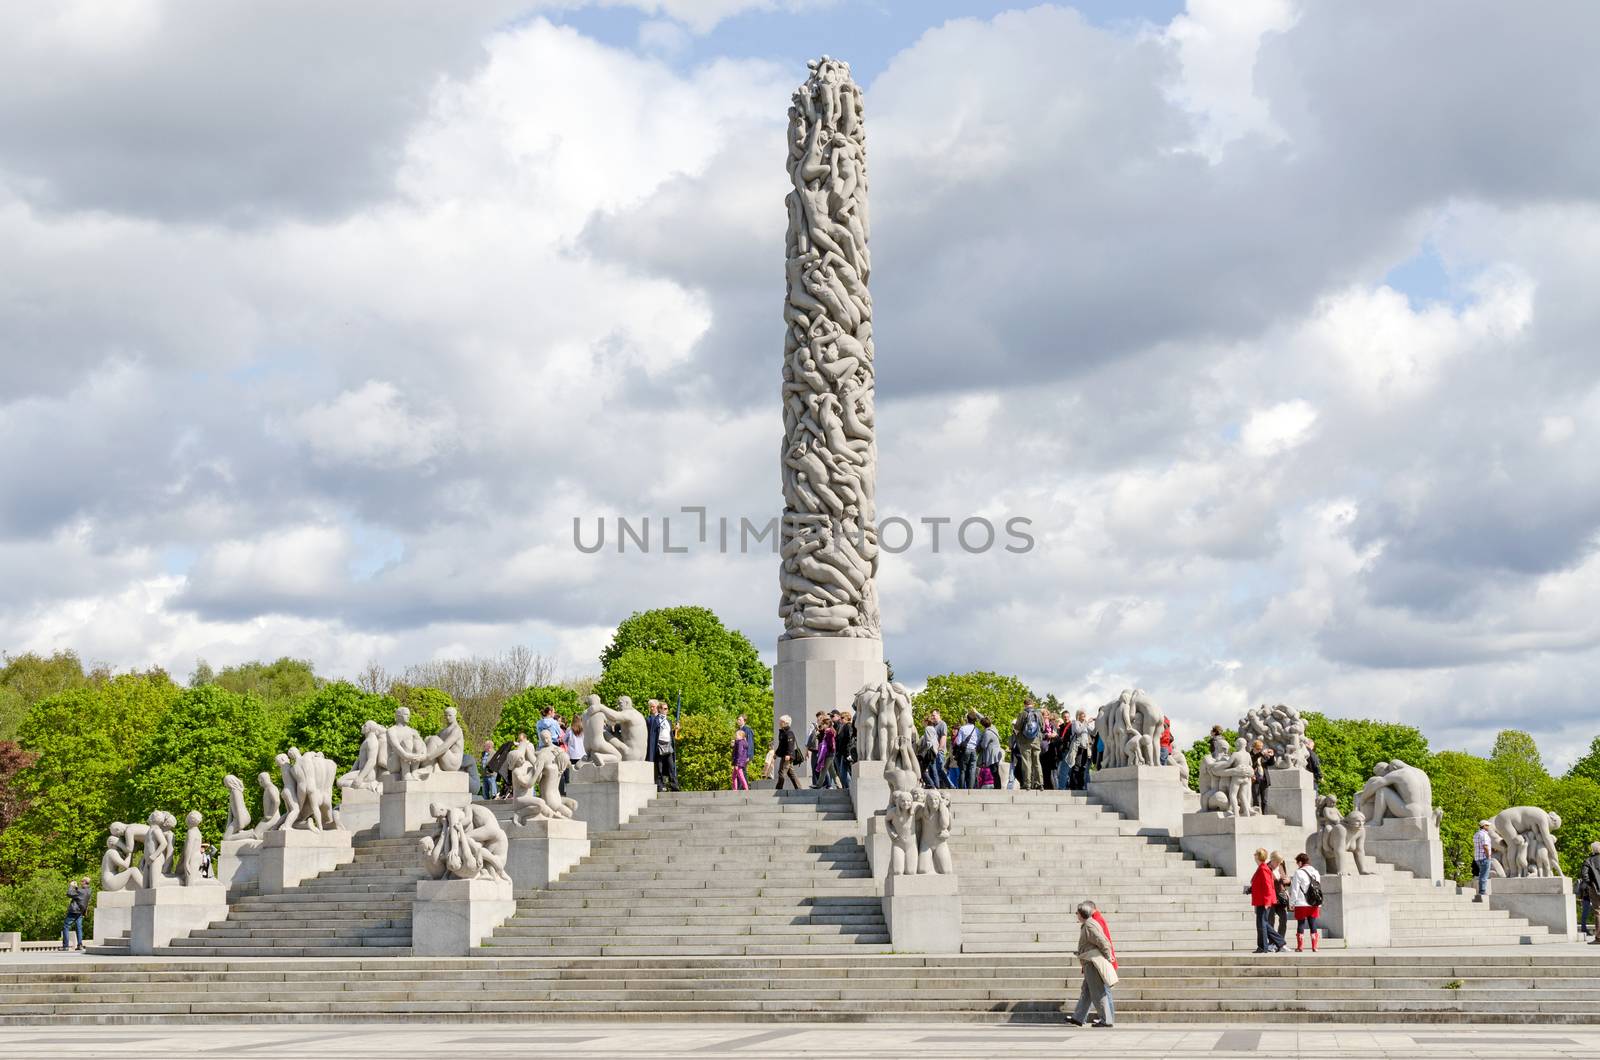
(1283, 426)
(374, 426)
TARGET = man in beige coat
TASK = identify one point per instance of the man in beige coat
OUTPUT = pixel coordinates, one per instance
(1099, 976)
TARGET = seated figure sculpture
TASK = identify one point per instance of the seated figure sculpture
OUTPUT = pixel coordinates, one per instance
(1235, 776)
(403, 747)
(117, 870)
(238, 823)
(469, 844)
(442, 752)
(599, 722)
(1398, 791)
(369, 759)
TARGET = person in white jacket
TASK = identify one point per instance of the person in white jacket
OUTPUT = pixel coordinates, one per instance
(1305, 913)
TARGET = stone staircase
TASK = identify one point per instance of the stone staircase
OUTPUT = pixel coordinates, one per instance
(1027, 858)
(1543, 986)
(359, 909)
(711, 873)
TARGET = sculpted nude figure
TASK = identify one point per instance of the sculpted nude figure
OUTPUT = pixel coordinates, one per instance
(193, 850)
(933, 834)
(270, 803)
(443, 751)
(238, 812)
(116, 865)
(404, 746)
(158, 847)
(901, 820)
(368, 760)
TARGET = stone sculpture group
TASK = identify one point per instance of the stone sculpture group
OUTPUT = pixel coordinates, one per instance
(917, 819)
(1279, 728)
(1130, 728)
(536, 782)
(1339, 843)
(829, 536)
(613, 734)
(883, 717)
(1397, 791)
(1523, 842)
(1225, 781)
(155, 843)
(469, 844)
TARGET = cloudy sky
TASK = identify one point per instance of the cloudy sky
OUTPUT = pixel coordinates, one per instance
(321, 323)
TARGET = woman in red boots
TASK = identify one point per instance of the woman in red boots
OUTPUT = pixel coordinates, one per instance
(1304, 885)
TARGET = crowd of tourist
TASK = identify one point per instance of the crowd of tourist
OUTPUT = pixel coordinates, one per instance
(1276, 893)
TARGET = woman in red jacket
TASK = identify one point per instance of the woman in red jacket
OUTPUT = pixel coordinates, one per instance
(1263, 892)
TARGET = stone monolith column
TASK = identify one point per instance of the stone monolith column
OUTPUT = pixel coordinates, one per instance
(831, 645)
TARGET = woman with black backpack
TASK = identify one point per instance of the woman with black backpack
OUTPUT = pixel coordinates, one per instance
(1305, 896)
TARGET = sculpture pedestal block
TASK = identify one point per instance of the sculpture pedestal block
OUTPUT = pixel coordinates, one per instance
(1356, 909)
(359, 810)
(113, 915)
(923, 912)
(1293, 796)
(450, 917)
(878, 847)
(1150, 795)
(821, 673)
(407, 805)
(544, 848)
(1540, 900)
(1191, 802)
(290, 856)
(869, 790)
(609, 795)
(1410, 843)
(162, 914)
(1229, 843)
(239, 865)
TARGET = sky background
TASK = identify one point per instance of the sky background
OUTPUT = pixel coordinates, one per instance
(320, 325)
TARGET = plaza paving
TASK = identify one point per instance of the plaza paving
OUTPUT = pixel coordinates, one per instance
(806, 1040)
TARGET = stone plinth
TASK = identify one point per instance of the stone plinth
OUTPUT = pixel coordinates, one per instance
(1292, 795)
(407, 805)
(239, 865)
(113, 915)
(161, 914)
(290, 856)
(450, 917)
(878, 850)
(1410, 843)
(1227, 843)
(608, 796)
(821, 673)
(1191, 801)
(869, 790)
(1356, 909)
(923, 912)
(1150, 795)
(1541, 900)
(359, 810)
(544, 848)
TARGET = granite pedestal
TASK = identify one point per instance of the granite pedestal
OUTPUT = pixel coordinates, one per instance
(1356, 909)
(1292, 795)
(407, 805)
(923, 913)
(869, 790)
(113, 915)
(1228, 844)
(161, 914)
(450, 917)
(290, 856)
(544, 848)
(359, 810)
(1150, 795)
(878, 850)
(1410, 843)
(239, 865)
(821, 673)
(1545, 901)
(609, 795)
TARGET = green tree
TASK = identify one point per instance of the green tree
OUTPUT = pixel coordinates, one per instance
(705, 753)
(1466, 787)
(1589, 764)
(280, 686)
(427, 706)
(34, 905)
(209, 733)
(13, 760)
(522, 711)
(1349, 747)
(28, 678)
(87, 741)
(997, 695)
(727, 659)
(1516, 762)
(1576, 800)
(643, 674)
(330, 721)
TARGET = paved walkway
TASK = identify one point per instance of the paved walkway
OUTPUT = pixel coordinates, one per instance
(866, 1042)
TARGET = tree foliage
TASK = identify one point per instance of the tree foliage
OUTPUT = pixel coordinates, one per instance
(1519, 768)
(1348, 748)
(1467, 789)
(1588, 765)
(87, 741)
(427, 706)
(208, 733)
(523, 710)
(36, 905)
(1577, 801)
(999, 696)
(26, 679)
(13, 760)
(330, 721)
(727, 660)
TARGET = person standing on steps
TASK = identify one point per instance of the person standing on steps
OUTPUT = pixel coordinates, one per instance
(992, 755)
(968, 738)
(1027, 731)
(1482, 858)
(1314, 766)
(1280, 877)
(1589, 887)
(783, 754)
(741, 759)
(491, 783)
(935, 737)
(1263, 892)
(1305, 896)
(77, 906)
(844, 746)
(1099, 965)
(1262, 758)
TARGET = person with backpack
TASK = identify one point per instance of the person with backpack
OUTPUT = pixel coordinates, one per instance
(935, 737)
(77, 905)
(991, 754)
(968, 737)
(1028, 729)
(1589, 889)
(784, 754)
(1305, 897)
